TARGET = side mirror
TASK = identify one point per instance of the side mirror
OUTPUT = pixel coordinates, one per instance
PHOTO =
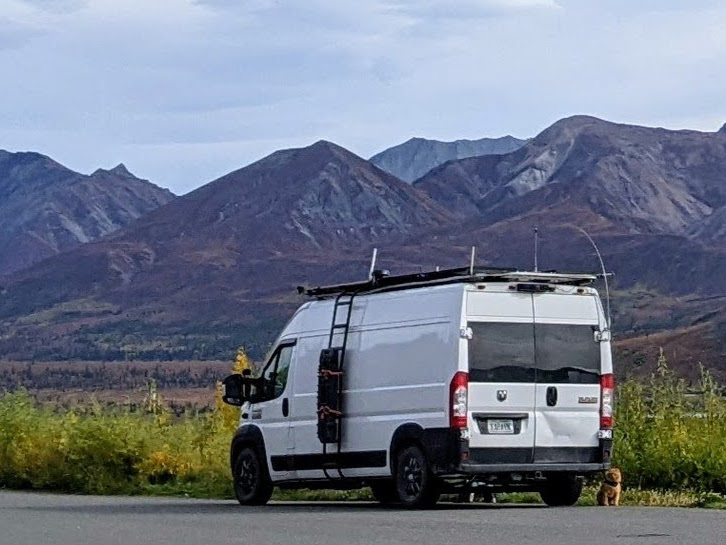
(233, 390)
(602, 336)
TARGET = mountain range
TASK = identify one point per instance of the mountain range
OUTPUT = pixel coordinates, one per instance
(216, 268)
(46, 208)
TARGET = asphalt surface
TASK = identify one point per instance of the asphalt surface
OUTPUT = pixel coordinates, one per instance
(39, 519)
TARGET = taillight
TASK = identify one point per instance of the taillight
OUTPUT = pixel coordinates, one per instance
(607, 397)
(458, 395)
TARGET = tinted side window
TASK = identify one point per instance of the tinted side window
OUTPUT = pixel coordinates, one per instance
(567, 354)
(501, 352)
(283, 370)
(276, 373)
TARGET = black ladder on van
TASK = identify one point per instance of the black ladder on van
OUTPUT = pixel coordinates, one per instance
(330, 378)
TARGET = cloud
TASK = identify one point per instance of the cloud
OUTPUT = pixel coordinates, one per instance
(57, 6)
(14, 35)
(181, 90)
(465, 9)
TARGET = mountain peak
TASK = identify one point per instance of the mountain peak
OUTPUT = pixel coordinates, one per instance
(722, 130)
(327, 146)
(578, 122)
(119, 170)
(324, 144)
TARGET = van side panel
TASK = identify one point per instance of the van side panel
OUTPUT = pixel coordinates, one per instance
(401, 354)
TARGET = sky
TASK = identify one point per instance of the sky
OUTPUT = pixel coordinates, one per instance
(184, 91)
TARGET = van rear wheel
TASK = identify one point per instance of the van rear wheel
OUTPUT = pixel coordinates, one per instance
(561, 490)
(416, 486)
(252, 484)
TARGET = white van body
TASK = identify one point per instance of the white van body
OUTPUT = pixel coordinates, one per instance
(534, 362)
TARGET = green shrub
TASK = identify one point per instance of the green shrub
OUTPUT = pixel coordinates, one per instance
(668, 438)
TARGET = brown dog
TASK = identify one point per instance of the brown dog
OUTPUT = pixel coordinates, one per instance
(609, 493)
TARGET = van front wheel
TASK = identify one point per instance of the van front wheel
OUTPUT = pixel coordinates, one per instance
(561, 490)
(384, 491)
(252, 484)
(416, 486)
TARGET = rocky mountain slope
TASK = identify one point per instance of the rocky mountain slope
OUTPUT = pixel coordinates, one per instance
(414, 158)
(46, 208)
(634, 179)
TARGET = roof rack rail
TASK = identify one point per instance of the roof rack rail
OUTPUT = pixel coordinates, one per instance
(382, 281)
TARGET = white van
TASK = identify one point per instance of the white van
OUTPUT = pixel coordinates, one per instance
(443, 382)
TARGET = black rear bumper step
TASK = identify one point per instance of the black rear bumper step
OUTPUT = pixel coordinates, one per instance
(480, 469)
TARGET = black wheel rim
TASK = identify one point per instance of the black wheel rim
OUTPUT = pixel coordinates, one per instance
(246, 475)
(413, 477)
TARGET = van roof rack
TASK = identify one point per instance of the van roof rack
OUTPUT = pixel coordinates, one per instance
(382, 281)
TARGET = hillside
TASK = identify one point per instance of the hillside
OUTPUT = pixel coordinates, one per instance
(654, 199)
(415, 157)
(46, 208)
(216, 268)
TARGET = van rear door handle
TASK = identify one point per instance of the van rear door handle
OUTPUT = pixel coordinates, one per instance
(551, 396)
(285, 407)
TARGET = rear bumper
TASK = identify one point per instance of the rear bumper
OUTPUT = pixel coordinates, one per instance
(460, 459)
(470, 468)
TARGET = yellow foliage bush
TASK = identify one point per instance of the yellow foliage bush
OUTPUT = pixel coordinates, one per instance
(109, 450)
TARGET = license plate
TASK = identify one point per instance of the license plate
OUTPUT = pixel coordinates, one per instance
(500, 426)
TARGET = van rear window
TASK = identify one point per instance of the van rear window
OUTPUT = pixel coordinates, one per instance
(566, 354)
(551, 353)
(501, 352)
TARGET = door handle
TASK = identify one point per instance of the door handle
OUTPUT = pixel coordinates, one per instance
(285, 407)
(551, 396)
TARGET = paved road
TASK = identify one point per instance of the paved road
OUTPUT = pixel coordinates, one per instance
(40, 519)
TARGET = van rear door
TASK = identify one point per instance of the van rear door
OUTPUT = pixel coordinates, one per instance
(568, 378)
(501, 400)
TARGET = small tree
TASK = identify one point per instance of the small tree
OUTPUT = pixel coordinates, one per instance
(228, 414)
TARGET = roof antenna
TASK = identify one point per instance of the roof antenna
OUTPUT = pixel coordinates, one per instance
(373, 264)
(604, 272)
(471, 263)
(536, 238)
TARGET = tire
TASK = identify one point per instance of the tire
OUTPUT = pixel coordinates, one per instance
(561, 490)
(252, 484)
(384, 491)
(465, 497)
(416, 486)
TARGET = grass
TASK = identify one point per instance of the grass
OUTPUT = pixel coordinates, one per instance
(670, 444)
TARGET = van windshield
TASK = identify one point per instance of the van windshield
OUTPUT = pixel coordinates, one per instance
(523, 352)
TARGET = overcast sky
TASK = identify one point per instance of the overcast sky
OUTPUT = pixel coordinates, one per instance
(183, 91)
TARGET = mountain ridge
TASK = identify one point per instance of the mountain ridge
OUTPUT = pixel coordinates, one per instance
(417, 156)
(47, 208)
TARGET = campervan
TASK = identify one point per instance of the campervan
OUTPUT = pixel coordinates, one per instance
(432, 383)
